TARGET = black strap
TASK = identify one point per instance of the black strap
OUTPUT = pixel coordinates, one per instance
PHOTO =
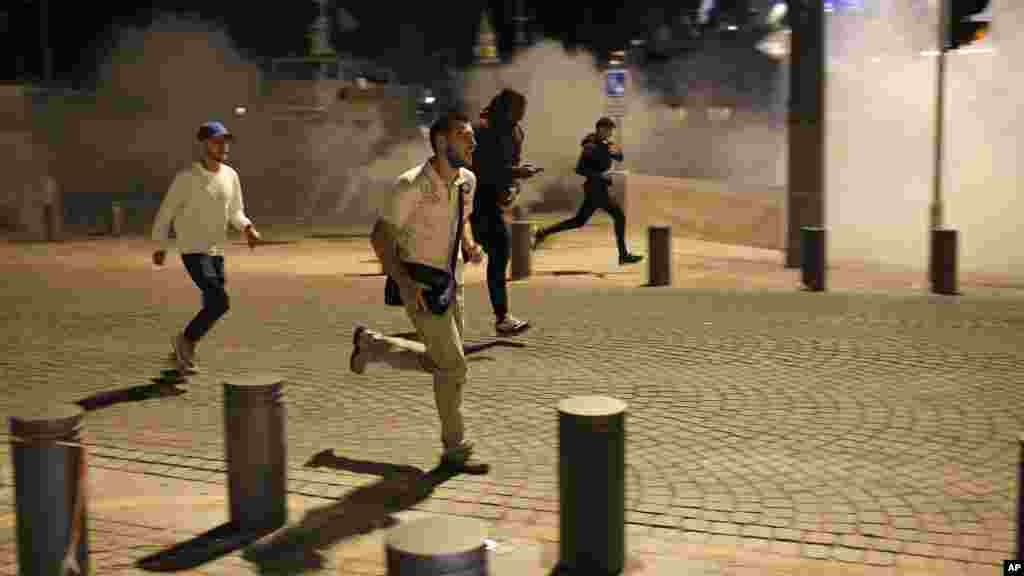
(458, 232)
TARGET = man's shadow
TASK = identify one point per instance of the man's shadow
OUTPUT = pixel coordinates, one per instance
(296, 548)
(468, 348)
(131, 394)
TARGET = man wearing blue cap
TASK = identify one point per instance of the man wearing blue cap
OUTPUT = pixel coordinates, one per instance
(201, 201)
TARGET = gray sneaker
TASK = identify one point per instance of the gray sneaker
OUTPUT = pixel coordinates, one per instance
(184, 354)
(510, 326)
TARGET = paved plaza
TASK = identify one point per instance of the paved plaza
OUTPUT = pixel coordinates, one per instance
(871, 429)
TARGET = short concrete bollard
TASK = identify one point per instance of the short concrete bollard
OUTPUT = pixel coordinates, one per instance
(659, 244)
(944, 261)
(255, 445)
(522, 237)
(49, 491)
(116, 220)
(592, 485)
(812, 258)
(438, 546)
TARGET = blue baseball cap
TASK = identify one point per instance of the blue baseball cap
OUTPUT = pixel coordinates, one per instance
(212, 130)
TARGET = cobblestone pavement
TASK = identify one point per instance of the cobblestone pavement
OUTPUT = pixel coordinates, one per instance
(871, 425)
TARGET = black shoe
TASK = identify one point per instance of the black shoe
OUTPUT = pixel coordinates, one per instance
(357, 362)
(468, 466)
(628, 258)
(462, 461)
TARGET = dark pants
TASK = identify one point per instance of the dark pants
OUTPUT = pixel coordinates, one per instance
(491, 232)
(208, 274)
(595, 196)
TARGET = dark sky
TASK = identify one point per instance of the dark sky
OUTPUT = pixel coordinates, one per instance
(391, 31)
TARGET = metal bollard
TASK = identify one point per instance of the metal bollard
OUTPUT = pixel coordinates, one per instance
(437, 546)
(255, 445)
(49, 490)
(659, 243)
(592, 484)
(521, 239)
(49, 223)
(116, 219)
(812, 258)
(944, 261)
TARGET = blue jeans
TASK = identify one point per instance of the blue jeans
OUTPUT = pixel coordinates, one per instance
(208, 274)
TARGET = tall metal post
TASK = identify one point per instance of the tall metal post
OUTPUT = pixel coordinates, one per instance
(936, 208)
(805, 196)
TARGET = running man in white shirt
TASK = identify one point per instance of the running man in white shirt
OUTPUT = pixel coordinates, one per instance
(201, 202)
(420, 235)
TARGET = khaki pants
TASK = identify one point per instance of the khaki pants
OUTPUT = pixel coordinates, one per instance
(440, 353)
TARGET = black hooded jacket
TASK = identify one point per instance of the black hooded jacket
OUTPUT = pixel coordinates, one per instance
(595, 158)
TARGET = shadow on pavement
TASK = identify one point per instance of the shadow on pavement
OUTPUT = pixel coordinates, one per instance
(266, 242)
(132, 394)
(206, 547)
(295, 549)
(341, 236)
(601, 275)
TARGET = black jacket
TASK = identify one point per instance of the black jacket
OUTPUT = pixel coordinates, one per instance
(595, 158)
(499, 145)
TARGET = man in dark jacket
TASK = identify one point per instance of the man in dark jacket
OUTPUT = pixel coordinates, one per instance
(497, 164)
(595, 160)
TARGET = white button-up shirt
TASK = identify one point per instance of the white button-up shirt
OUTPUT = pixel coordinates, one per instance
(424, 210)
(201, 203)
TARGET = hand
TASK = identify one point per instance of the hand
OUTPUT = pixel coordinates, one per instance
(158, 257)
(412, 296)
(252, 236)
(615, 148)
(527, 171)
(474, 254)
(509, 197)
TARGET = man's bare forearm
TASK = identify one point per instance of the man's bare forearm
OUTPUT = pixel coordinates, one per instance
(384, 240)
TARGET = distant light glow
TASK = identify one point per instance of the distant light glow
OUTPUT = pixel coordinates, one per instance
(777, 13)
(704, 12)
(429, 100)
(732, 27)
(240, 110)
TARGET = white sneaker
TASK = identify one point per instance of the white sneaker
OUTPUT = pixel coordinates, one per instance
(511, 326)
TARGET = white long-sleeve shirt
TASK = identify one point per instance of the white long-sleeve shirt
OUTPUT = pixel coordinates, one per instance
(201, 203)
